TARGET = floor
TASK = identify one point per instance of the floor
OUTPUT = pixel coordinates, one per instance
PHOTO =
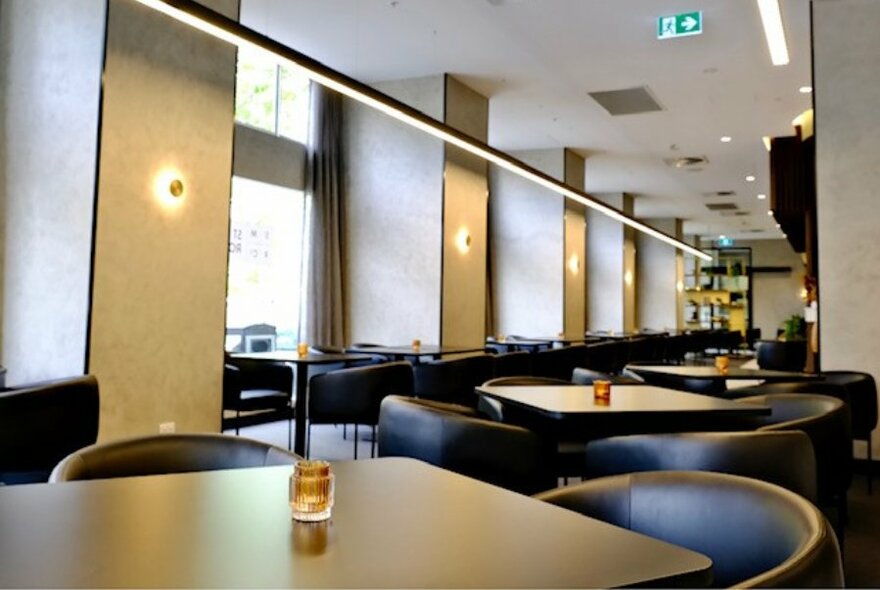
(861, 557)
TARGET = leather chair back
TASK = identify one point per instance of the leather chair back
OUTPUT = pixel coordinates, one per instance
(510, 364)
(41, 423)
(818, 387)
(783, 458)
(454, 438)
(168, 453)
(756, 533)
(352, 396)
(493, 409)
(781, 355)
(601, 356)
(453, 380)
(582, 376)
(826, 420)
(689, 384)
(862, 397)
(558, 363)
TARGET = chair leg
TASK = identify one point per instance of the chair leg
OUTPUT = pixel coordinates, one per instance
(373, 444)
(355, 441)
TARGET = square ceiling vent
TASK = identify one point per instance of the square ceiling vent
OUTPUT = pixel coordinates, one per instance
(721, 206)
(627, 101)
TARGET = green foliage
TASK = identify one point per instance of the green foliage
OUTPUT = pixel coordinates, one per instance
(794, 328)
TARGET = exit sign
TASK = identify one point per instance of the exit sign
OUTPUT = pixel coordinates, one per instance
(680, 25)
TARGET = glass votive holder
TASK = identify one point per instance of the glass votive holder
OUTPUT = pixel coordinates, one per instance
(311, 491)
(722, 363)
(302, 349)
(416, 344)
(602, 390)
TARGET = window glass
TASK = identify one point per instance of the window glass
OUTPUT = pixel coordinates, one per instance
(256, 89)
(266, 230)
(293, 107)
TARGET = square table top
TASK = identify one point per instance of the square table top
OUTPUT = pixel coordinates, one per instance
(710, 372)
(396, 523)
(561, 401)
(291, 356)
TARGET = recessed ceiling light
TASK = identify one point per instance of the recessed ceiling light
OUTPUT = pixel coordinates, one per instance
(726, 139)
(805, 89)
(750, 178)
(761, 197)
(777, 225)
(769, 212)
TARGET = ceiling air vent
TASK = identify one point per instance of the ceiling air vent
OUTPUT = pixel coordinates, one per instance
(627, 101)
(721, 206)
(720, 194)
(688, 162)
(735, 213)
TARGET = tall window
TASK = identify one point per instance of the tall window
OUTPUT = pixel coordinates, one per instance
(267, 222)
(271, 97)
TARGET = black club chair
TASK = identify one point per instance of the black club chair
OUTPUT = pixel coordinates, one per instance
(558, 363)
(509, 364)
(862, 396)
(826, 420)
(582, 376)
(258, 392)
(756, 533)
(781, 355)
(41, 423)
(690, 384)
(353, 396)
(454, 437)
(168, 453)
(783, 458)
(454, 380)
(601, 356)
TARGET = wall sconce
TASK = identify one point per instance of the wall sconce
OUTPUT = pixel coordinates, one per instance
(574, 264)
(679, 286)
(463, 240)
(628, 278)
(169, 188)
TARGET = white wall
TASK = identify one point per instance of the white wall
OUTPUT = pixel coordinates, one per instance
(846, 50)
(159, 286)
(659, 269)
(526, 229)
(50, 76)
(610, 254)
(394, 219)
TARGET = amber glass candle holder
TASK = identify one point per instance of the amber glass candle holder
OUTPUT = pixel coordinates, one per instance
(722, 363)
(602, 390)
(311, 491)
(416, 344)
(302, 349)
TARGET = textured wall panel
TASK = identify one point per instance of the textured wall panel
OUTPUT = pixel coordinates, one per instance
(160, 273)
(50, 75)
(657, 269)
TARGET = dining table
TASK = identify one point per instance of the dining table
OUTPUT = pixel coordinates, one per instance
(574, 410)
(508, 344)
(714, 374)
(415, 354)
(395, 523)
(301, 382)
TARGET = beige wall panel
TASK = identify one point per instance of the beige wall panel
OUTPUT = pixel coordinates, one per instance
(160, 272)
(574, 269)
(465, 212)
(847, 66)
(268, 158)
(630, 278)
(393, 209)
(50, 76)
(526, 225)
(658, 269)
(607, 259)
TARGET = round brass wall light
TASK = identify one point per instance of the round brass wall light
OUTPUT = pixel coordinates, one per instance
(176, 187)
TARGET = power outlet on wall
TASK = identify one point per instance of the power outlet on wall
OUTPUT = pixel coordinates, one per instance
(166, 428)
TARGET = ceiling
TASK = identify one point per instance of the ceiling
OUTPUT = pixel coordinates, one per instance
(537, 60)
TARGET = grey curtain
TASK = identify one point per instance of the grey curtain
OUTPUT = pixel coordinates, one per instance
(323, 309)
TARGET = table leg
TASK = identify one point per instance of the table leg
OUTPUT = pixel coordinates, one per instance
(300, 409)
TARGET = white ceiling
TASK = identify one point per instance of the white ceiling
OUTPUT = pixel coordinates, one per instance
(536, 60)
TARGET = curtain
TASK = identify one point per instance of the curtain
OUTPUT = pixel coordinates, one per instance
(323, 310)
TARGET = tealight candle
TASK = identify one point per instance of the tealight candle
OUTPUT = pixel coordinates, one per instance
(416, 344)
(602, 390)
(722, 363)
(311, 491)
(302, 349)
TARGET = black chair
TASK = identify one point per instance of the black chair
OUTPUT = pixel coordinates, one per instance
(862, 396)
(41, 423)
(582, 376)
(261, 390)
(826, 421)
(781, 355)
(353, 396)
(455, 438)
(818, 387)
(509, 364)
(691, 384)
(453, 381)
(558, 363)
(168, 453)
(601, 356)
(783, 458)
(756, 533)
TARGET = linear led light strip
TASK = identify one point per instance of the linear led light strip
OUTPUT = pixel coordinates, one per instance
(216, 25)
(771, 18)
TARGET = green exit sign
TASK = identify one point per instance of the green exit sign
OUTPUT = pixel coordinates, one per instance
(680, 25)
